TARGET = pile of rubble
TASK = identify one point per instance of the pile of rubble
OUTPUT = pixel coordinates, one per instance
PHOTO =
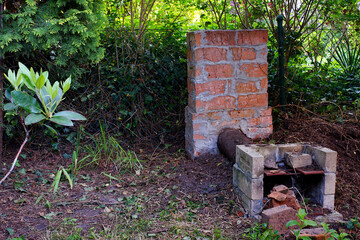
(283, 207)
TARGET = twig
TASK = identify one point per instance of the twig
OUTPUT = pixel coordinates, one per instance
(302, 198)
(20, 149)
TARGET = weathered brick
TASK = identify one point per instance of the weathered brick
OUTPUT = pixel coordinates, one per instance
(277, 217)
(314, 233)
(260, 132)
(220, 38)
(254, 37)
(223, 123)
(290, 201)
(198, 38)
(264, 52)
(254, 70)
(264, 84)
(239, 53)
(215, 115)
(248, 113)
(253, 100)
(248, 87)
(212, 87)
(266, 112)
(199, 137)
(261, 121)
(219, 71)
(197, 126)
(210, 54)
(217, 103)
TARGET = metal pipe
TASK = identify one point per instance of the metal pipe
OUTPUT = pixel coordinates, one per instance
(279, 20)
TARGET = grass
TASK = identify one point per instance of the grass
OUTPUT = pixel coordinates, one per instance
(102, 149)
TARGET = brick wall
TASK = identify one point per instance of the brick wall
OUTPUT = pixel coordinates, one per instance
(227, 87)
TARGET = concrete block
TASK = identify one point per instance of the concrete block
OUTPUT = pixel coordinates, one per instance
(277, 217)
(297, 160)
(333, 217)
(329, 183)
(293, 147)
(250, 161)
(328, 201)
(325, 157)
(251, 187)
(252, 206)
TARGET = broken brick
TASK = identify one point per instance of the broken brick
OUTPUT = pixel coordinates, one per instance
(277, 217)
(278, 196)
(281, 188)
(314, 233)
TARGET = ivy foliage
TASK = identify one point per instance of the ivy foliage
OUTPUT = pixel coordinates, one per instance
(57, 35)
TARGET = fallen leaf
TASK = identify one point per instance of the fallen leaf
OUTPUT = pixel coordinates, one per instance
(107, 210)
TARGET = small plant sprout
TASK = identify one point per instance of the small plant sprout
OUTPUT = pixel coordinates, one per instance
(301, 223)
(33, 110)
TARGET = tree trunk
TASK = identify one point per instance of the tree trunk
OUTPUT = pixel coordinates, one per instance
(1, 84)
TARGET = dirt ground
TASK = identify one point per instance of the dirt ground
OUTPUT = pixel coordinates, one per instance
(172, 197)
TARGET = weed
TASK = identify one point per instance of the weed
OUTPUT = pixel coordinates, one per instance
(262, 232)
(104, 149)
(302, 223)
(331, 234)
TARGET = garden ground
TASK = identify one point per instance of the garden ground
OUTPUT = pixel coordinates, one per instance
(172, 197)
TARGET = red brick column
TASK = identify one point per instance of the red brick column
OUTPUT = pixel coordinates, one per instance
(227, 87)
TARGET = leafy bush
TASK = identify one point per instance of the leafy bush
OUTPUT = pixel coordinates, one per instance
(140, 86)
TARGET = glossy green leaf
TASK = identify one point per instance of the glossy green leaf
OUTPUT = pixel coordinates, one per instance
(310, 223)
(24, 69)
(292, 223)
(40, 82)
(28, 82)
(66, 85)
(10, 107)
(71, 115)
(34, 118)
(25, 101)
(33, 76)
(62, 121)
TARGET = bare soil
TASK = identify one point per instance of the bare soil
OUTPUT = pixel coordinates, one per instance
(171, 198)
